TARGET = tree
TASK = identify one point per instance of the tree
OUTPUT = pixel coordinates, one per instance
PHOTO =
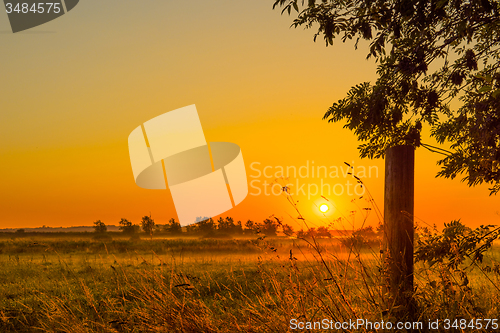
(269, 227)
(226, 225)
(460, 39)
(221, 224)
(192, 229)
(366, 232)
(100, 227)
(206, 226)
(309, 233)
(173, 227)
(238, 228)
(287, 229)
(148, 225)
(301, 233)
(312, 232)
(249, 226)
(231, 227)
(323, 232)
(127, 227)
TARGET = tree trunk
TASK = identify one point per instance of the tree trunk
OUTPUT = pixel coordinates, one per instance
(398, 228)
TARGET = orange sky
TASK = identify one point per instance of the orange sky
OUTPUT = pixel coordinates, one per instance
(74, 88)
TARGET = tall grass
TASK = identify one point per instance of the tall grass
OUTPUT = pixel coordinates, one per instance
(249, 291)
(207, 285)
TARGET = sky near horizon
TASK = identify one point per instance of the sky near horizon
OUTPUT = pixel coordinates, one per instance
(74, 88)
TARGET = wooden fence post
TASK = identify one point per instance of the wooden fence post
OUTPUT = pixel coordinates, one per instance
(398, 227)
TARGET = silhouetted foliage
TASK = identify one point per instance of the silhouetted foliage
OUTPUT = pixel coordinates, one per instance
(320, 232)
(323, 232)
(287, 230)
(173, 227)
(148, 225)
(127, 227)
(225, 225)
(451, 253)
(460, 39)
(249, 227)
(238, 228)
(362, 237)
(100, 227)
(301, 234)
(456, 243)
(269, 227)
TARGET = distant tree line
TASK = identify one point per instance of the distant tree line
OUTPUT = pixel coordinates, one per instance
(204, 227)
(209, 227)
(227, 227)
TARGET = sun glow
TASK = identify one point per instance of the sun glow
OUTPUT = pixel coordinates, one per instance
(324, 208)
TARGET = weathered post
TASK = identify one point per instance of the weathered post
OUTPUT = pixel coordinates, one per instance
(398, 226)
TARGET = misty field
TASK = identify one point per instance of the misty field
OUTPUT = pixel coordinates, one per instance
(75, 283)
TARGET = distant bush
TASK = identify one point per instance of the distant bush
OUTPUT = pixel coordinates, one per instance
(148, 225)
(127, 227)
(100, 227)
(172, 227)
(363, 237)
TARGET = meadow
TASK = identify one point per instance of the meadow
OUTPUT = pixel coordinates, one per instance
(76, 283)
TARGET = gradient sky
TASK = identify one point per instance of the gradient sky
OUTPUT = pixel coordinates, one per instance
(73, 89)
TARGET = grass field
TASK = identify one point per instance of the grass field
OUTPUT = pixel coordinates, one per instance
(74, 283)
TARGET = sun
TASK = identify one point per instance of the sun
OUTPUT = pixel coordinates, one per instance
(323, 208)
